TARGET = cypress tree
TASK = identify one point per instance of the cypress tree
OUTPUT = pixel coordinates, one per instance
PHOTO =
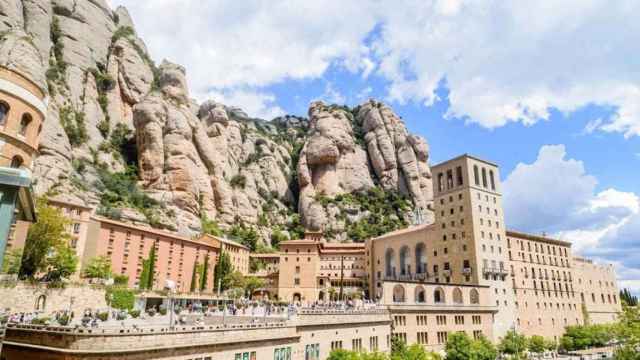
(204, 276)
(192, 288)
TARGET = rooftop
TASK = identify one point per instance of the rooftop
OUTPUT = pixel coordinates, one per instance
(544, 239)
(465, 156)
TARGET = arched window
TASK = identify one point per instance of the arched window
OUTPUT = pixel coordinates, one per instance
(405, 268)
(457, 296)
(484, 177)
(41, 302)
(389, 260)
(438, 296)
(476, 176)
(16, 162)
(24, 124)
(398, 294)
(420, 294)
(474, 296)
(421, 259)
(4, 112)
(492, 179)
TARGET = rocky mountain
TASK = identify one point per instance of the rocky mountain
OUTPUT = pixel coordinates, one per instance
(123, 135)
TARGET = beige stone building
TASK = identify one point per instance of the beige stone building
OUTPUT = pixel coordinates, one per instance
(598, 290)
(542, 277)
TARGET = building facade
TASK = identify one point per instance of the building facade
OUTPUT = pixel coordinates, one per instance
(23, 107)
(127, 246)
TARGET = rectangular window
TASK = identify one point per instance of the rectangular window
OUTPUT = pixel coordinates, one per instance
(442, 337)
(423, 338)
(282, 354)
(312, 352)
(373, 343)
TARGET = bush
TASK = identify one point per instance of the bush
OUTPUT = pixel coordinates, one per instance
(122, 280)
(41, 321)
(103, 316)
(134, 313)
(163, 311)
(64, 320)
(73, 123)
(120, 297)
(238, 181)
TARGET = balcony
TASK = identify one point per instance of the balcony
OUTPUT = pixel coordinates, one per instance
(446, 272)
(467, 271)
(495, 271)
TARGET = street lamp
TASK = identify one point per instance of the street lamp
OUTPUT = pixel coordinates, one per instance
(170, 285)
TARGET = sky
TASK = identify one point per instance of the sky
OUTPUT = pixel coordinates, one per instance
(549, 90)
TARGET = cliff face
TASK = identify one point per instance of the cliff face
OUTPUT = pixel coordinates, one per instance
(122, 135)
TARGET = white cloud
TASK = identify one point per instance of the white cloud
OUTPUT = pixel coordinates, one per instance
(512, 61)
(332, 95)
(556, 195)
(503, 61)
(255, 104)
(253, 43)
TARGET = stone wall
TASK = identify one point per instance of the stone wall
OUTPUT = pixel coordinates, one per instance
(28, 298)
(188, 342)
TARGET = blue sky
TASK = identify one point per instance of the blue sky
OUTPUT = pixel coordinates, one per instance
(549, 90)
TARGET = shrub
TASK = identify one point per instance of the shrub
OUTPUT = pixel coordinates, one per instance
(103, 316)
(238, 181)
(73, 123)
(134, 313)
(163, 311)
(41, 321)
(64, 320)
(121, 280)
(120, 297)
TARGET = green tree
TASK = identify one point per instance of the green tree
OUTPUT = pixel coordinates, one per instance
(204, 276)
(277, 236)
(628, 332)
(62, 263)
(483, 349)
(98, 267)
(537, 344)
(458, 346)
(222, 270)
(194, 276)
(513, 344)
(12, 261)
(628, 298)
(341, 354)
(251, 284)
(49, 232)
(120, 297)
(236, 280)
(148, 270)
(210, 227)
(585, 336)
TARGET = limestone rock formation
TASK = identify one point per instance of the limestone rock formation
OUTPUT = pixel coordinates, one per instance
(117, 121)
(400, 160)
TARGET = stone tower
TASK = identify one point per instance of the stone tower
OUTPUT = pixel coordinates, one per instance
(471, 238)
